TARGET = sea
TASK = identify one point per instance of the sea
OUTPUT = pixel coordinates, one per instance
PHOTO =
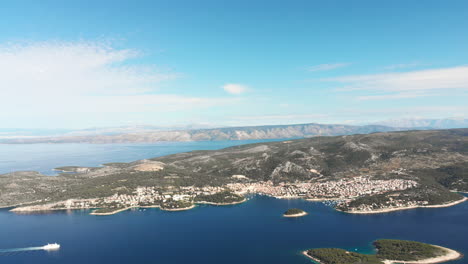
(252, 232)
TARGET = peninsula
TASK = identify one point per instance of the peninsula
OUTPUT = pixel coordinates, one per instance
(370, 173)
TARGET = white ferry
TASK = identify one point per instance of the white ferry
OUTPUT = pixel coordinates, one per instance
(53, 246)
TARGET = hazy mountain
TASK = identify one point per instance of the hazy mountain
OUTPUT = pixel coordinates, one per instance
(94, 131)
(229, 133)
(445, 123)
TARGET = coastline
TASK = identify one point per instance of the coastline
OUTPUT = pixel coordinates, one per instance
(146, 206)
(220, 204)
(20, 209)
(451, 255)
(113, 212)
(312, 258)
(26, 210)
(387, 210)
(296, 215)
(178, 209)
(323, 199)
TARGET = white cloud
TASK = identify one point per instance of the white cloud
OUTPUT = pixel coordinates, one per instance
(406, 84)
(74, 68)
(49, 83)
(234, 88)
(328, 66)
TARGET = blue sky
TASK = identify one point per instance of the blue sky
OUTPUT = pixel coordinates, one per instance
(78, 64)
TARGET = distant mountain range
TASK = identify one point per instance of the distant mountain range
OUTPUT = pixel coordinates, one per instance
(214, 134)
(148, 134)
(427, 123)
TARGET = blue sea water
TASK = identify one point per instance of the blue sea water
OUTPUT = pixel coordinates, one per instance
(45, 157)
(252, 232)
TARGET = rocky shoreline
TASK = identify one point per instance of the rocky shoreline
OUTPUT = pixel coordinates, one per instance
(295, 215)
(48, 207)
(449, 256)
(393, 209)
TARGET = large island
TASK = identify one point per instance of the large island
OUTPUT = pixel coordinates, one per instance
(389, 251)
(372, 173)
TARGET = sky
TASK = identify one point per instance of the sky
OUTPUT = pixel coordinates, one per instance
(80, 64)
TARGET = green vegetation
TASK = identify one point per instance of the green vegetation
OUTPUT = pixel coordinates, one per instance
(172, 204)
(294, 211)
(221, 197)
(340, 256)
(387, 249)
(406, 250)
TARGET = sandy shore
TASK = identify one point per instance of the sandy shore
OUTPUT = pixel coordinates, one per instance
(211, 203)
(386, 210)
(451, 255)
(296, 215)
(307, 255)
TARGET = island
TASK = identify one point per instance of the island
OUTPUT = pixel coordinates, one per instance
(368, 173)
(388, 251)
(294, 212)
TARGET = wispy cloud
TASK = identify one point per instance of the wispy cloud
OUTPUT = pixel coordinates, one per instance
(235, 88)
(74, 68)
(327, 67)
(405, 84)
(56, 81)
(404, 66)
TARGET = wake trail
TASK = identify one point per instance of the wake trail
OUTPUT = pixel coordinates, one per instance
(12, 250)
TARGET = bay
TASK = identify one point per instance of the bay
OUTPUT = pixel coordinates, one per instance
(252, 232)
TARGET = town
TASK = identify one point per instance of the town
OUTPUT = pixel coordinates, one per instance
(184, 197)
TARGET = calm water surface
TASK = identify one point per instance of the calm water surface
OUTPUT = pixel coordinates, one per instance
(253, 232)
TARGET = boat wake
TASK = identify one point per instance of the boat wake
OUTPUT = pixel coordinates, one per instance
(47, 247)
